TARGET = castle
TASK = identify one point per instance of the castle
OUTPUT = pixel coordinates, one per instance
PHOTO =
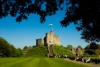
(49, 39)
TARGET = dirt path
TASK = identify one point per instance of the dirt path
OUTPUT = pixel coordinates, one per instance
(90, 64)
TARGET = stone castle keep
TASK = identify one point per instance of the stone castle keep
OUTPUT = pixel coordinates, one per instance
(49, 39)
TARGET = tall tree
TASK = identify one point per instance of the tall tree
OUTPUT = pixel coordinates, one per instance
(4, 47)
(84, 14)
(13, 51)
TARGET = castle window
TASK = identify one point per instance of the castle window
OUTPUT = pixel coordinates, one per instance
(49, 41)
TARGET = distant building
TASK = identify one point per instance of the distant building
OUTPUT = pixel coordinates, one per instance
(49, 39)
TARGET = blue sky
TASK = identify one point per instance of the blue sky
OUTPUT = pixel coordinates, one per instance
(25, 33)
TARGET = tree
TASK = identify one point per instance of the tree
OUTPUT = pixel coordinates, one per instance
(69, 47)
(87, 47)
(19, 52)
(13, 51)
(25, 47)
(79, 47)
(93, 46)
(4, 47)
(84, 14)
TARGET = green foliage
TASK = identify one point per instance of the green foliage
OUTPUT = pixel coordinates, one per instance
(79, 47)
(37, 51)
(69, 47)
(93, 46)
(13, 51)
(4, 47)
(19, 52)
(8, 50)
(60, 50)
(25, 47)
(90, 53)
(91, 50)
(87, 47)
(84, 14)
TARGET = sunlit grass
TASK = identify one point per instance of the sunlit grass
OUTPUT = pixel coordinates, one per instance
(37, 62)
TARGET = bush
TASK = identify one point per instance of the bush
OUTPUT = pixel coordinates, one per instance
(72, 58)
(95, 60)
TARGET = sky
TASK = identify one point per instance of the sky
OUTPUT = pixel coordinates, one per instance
(25, 33)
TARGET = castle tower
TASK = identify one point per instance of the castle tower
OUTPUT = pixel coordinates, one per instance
(49, 39)
(39, 41)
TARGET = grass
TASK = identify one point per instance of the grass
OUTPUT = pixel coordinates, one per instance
(37, 62)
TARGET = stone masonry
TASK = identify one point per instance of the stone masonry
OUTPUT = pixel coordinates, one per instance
(49, 39)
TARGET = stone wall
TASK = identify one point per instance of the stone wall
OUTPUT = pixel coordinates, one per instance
(49, 39)
(56, 40)
(40, 41)
(78, 51)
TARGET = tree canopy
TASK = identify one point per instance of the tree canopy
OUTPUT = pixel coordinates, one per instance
(84, 14)
(4, 47)
(93, 46)
(87, 47)
(69, 47)
(8, 50)
(79, 47)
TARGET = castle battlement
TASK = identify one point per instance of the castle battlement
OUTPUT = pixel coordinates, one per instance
(49, 39)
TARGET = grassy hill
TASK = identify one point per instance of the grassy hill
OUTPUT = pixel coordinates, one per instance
(37, 51)
(60, 50)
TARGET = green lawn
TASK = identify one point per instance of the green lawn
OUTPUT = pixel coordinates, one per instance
(37, 62)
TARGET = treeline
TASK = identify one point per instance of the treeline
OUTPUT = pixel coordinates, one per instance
(8, 50)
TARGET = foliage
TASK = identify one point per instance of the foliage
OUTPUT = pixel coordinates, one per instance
(25, 47)
(87, 47)
(4, 47)
(60, 50)
(79, 47)
(13, 51)
(92, 49)
(22, 9)
(84, 14)
(93, 46)
(19, 52)
(90, 52)
(37, 51)
(69, 47)
(8, 50)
